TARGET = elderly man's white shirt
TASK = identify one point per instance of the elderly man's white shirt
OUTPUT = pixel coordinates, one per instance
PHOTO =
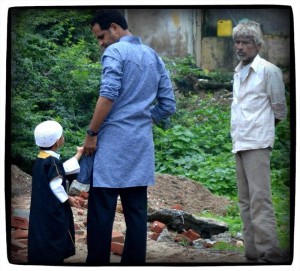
(258, 99)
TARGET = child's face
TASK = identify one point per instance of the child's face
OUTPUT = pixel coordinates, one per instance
(61, 141)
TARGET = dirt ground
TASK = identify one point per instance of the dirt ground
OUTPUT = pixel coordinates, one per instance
(168, 191)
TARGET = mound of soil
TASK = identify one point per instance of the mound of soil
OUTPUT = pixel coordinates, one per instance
(168, 191)
(192, 196)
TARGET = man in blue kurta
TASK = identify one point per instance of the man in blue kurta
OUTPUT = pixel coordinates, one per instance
(135, 92)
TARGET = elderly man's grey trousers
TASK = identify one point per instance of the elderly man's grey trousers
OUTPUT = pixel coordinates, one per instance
(257, 213)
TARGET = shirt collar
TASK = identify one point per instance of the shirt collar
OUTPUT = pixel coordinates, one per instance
(254, 64)
(132, 39)
(52, 153)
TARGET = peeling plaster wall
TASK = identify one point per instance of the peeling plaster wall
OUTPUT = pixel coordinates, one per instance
(178, 32)
(218, 53)
(168, 31)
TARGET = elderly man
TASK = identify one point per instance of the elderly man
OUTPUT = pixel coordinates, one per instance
(258, 105)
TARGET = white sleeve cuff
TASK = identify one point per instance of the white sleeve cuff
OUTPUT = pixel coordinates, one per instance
(71, 166)
(58, 189)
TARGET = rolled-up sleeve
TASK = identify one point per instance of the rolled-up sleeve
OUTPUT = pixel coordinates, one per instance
(111, 76)
(276, 92)
(166, 104)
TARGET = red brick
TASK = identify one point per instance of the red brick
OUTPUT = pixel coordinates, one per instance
(208, 245)
(177, 207)
(182, 238)
(19, 257)
(19, 222)
(19, 234)
(154, 236)
(76, 227)
(191, 234)
(157, 226)
(117, 248)
(84, 194)
(117, 237)
(16, 245)
(81, 201)
(23, 253)
(80, 212)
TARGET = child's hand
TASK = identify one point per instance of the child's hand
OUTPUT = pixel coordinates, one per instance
(73, 202)
(80, 149)
(79, 153)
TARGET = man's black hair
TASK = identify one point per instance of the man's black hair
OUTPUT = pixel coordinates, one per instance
(105, 17)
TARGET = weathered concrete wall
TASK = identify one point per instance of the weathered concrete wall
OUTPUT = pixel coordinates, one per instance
(168, 31)
(277, 50)
(178, 33)
(218, 53)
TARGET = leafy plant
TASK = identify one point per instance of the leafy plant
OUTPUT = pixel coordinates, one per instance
(189, 79)
(199, 146)
(55, 75)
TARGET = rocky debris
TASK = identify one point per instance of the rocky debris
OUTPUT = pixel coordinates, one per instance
(190, 238)
(77, 187)
(19, 235)
(170, 226)
(180, 221)
(181, 242)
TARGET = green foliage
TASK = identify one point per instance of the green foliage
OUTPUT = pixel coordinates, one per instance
(198, 145)
(55, 75)
(223, 246)
(189, 79)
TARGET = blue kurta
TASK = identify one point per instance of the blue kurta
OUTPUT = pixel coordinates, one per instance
(134, 76)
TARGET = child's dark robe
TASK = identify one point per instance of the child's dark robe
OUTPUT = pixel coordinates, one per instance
(51, 224)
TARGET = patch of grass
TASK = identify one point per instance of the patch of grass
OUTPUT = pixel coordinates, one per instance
(223, 246)
(232, 220)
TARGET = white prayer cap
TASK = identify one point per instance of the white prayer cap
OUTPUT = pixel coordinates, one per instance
(47, 133)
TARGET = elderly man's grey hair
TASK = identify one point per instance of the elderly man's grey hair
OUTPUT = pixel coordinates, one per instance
(248, 29)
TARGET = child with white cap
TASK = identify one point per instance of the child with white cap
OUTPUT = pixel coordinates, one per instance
(51, 225)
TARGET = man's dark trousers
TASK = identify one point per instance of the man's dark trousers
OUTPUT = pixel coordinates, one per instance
(101, 213)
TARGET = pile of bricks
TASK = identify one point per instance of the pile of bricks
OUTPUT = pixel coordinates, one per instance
(19, 238)
(187, 237)
(19, 232)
